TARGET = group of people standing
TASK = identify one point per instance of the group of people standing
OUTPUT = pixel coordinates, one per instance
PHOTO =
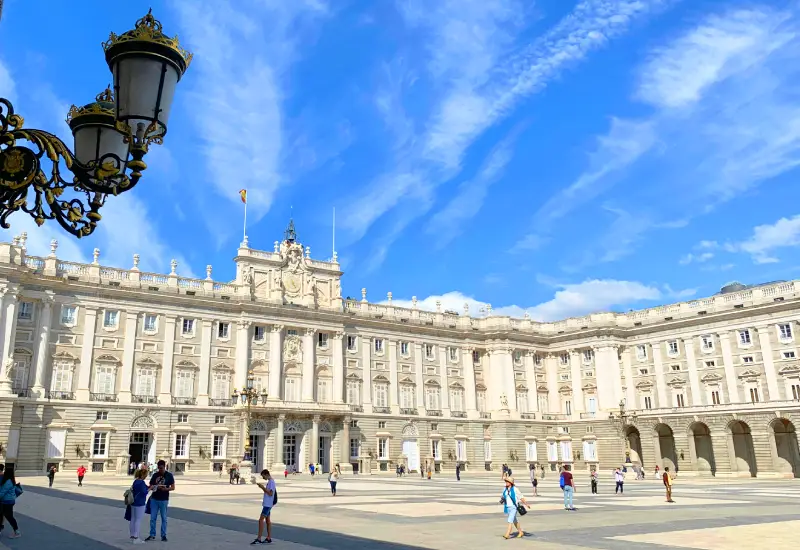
(161, 484)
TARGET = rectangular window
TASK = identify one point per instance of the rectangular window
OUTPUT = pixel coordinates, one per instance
(785, 331)
(796, 391)
(381, 395)
(258, 333)
(457, 400)
(648, 402)
(429, 351)
(188, 326)
(219, 419)
(110, 319)
(641, 352)
(564, 358)
(522, 402)
(354, 392)
(643, 371)
(544, 403)
(436, 449)
(25, 310)
(679, 401)
(481, 401)
(476, 357)
(568, 407)
(220, 388)
(322, 340)
(588, 355)
(744, 337)
(354, 448)
(407, 397)
(150, 321)
(68, 315)
(591, 404)
(382, 425)
(100, 444)
(351, 343)
(432, 398)
(707, 342)
(291, 389)
(323, 390)
(675, 367)
(710, 364)
(517, 357)
(537, 359)
(754, 397)
(383, 449)
(378, 345)
(566, 451)
(672, 347)
(487, 451)
(789, 355)
(552, 451)
(183, 418)
(530, 451)
(453, 354)
(461, 450)
(403, 348)
(590, 451)
(223, 330)
(747, 359)
(105, 380)
(101, 415)
(218, 446)
(181, 449)
(715, 398)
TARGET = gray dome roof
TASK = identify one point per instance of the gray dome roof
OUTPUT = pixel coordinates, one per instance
(733, 286)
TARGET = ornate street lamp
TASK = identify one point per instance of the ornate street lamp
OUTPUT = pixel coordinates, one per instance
(249, 396)
(112, 135)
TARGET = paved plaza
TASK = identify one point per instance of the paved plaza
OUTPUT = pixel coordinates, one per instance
(386, 513)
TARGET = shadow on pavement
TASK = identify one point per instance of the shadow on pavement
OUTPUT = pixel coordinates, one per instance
(305, 535)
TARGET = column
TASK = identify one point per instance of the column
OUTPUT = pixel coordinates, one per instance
(338, 368)
(366, 374)
(242, 354)
(630, 387)
(661, 383)
(769, 363)
(577, 388)
(470, 394)
(315, 439)
(205, 362)
(344, 450)
(43, 348)
(530, 378)
(9, 332)
(694, 377)
(276, 366)
(393, 386)
(418, 368)
(279, 465)
(730, 373)
(308, 365)
(551, 375)
(128, 351)
(87, 350)
(445, 394)
(608, 378)
(168, 358)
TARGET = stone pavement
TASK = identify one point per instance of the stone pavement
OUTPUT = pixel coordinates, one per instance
(386, 513)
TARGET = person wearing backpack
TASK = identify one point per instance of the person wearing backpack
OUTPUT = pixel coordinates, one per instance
(270, 499)
(9, 491)
(136, 499)
(513, 501)
(568, 486)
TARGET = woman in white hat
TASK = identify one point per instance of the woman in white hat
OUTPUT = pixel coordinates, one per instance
(510, 498)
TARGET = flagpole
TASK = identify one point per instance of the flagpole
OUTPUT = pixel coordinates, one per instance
(245, 220)
(333, 242)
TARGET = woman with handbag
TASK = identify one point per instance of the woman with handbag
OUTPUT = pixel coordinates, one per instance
(514, 505)
(9, 491)
(139, 491)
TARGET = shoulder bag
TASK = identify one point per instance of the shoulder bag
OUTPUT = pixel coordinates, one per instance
(521, 510)
(275, 496)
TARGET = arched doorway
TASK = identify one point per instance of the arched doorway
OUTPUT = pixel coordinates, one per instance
(411, 447)
(700, 437)
(634, 445)
(743, 455)
(666, 447)
(788, 452)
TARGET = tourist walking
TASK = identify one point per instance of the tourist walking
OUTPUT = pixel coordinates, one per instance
(81, 473)
(333, 478)
(619, 477)
(161, 484)
(512, 499)
(534, 480)
(9, 491)
(270, 499)
(668, 479)
(593, 477)
(139, 492)
(51, 475)
(568, 485)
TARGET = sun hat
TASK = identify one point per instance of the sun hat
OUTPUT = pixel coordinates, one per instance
(510, 480)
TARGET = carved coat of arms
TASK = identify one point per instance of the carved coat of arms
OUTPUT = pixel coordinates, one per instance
(292, 349)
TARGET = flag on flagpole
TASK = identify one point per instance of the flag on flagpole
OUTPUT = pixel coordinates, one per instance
(243, 195)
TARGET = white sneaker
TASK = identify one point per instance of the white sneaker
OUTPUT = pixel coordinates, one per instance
(137, 541)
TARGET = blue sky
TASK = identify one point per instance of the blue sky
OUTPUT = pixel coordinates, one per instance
(556, 156)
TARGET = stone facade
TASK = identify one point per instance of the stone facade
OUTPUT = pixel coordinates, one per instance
(105, 366)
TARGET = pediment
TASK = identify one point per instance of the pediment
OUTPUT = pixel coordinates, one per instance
(224, 366)
(644, 385)
(676, 382)
(148, 362)
(65, 356)
(590, 387)
(711, 377)
(407, 380)
(353, 376)
(749, 373)
(107, 358)
(789, 369)
(457, 386)
(22, 351)
(432, 382)
(480, 387)
(380, 378)
(186, 364)
(542, 389)
(565, 390)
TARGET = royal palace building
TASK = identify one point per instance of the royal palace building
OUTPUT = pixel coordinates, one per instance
(106, 366)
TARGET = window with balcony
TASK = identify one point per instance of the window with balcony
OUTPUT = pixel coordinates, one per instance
(591, 405)
(22, 368)
(707, 342)
(291, 388)
(680, 400)
(323, 390)
(744, 337)
(259, 333)
(150, 322)
(25, 311)
(407, 400)
(378, 345)
(568, 407)
(522, 401)
(322, 340)
(221, 385)
(648, 401)
(184, 383)
(752, 389)
(432, 398)
(146, 382)
(544, 402)
(351, 343)
(785, 332)
(187, 327)
(100, 445)
(61, 379)
(218, 446)
(480, 399)
(223, 330)
(641, 352)
(794, 388)
(672, 347)
(429, 351)
(476, 357)
(456, 400)
(69, 315)
(404, 348)
(105, 379)
(381, 397)
(354, 392)
(181, 446)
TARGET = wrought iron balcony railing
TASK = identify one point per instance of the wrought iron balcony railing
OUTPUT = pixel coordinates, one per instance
(107, 397)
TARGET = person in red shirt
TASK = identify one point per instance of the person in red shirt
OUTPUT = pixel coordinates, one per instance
(81, 473)
(569, 487)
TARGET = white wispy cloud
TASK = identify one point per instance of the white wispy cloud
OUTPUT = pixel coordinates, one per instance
(569, 300)
(768, 238)
(696, 258)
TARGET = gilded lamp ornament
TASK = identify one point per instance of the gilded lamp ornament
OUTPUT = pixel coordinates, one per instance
(111, 135)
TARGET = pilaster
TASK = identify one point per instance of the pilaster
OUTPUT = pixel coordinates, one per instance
(129, 349)
(205, 362)
(242, 354)
(87, 350)
(276, 365)
(734, 395)
(661, 382)
(470, 394)
(551, 374)
(393, 386)
(168, 359)
(530, 379)
(366, 374)
(630, 386)
(43, 348)
(769, 363)
(445, 397)
(315, 438)
(308, 365)
(338, 367)
(418, 368)
(694, 376)
(577, 389)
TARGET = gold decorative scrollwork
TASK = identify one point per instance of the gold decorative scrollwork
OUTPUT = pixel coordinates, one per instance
(149, 29)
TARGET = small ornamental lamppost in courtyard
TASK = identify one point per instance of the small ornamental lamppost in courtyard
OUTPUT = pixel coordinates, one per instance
(621, 421)
(111, 135)
(248, 397)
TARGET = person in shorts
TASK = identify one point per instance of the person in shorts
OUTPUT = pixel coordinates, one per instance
(510, 498)
(266, 484)
(535, 480)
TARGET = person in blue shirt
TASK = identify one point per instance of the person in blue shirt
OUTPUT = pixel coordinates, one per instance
(8, 497)
(139, 490)
(510, 498)
(161, 484)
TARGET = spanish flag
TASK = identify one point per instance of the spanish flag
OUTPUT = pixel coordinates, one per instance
(243, 195)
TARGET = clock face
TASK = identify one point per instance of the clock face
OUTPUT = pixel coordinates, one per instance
(292, 283)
